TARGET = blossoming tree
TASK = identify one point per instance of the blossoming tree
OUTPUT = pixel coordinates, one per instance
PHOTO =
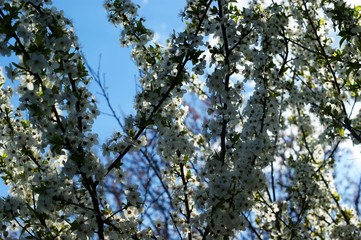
(281, 81)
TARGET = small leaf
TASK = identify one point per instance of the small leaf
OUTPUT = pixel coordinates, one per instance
(189, 175)
(341, 131)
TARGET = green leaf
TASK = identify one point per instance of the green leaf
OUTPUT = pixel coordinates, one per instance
(74, 225)
(341, 131)
(327, 110)
(189, 175)
(342, 40)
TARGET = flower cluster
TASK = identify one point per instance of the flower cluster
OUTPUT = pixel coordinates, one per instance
(277, 92)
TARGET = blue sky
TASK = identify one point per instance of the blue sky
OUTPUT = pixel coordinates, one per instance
(99, 37)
